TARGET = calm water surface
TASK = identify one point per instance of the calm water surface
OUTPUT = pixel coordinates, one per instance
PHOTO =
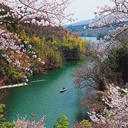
(43, 97)
(94, 39)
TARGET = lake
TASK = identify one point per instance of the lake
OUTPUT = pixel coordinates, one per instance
(43, 96)
(93, 39)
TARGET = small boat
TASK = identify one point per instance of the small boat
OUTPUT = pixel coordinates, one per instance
(63, 90)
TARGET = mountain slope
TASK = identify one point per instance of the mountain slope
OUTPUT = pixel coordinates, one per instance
(78, 29)
(84, 22)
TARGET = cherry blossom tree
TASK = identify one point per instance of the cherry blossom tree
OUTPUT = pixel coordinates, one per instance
(17, 53)
(22, 123)
(116, 99)
(41, 12)
(115, 114)
(116, 17)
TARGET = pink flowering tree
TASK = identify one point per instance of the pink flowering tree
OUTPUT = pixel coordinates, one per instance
(41, 12)
(22, 123)
(116, 17)
(17, 54)
(115, 114)
(12, 50)
(16, 59)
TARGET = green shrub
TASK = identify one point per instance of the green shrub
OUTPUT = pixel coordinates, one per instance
(3, 123)
(62, 122)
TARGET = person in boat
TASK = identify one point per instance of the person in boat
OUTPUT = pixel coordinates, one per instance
(63, 89)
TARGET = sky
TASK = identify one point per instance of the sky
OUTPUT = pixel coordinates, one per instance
(84, 9)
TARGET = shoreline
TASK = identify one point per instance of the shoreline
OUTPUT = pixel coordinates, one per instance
(14, 85)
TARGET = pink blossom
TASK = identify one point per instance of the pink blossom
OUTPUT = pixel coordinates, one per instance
(43, 62)
(35, 56)
(39, 59)
(118, 113)
(30, 46)
(50, 12)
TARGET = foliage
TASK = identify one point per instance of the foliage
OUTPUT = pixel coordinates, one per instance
(91, 74)
(111, 66)
(117, 61)
(114, 17)
(80, 31)
(34, 11)
(23, 47)
(22, 123)
(83, 124)
(14, 28)
(2, 106)
(62, 122)
(16, 51)
(15, 58)
(116, 111)
(72, 47)
(56, 32)
(50, 50)
(99, 71)
(100, 35)
(54, 51)
(3, 123)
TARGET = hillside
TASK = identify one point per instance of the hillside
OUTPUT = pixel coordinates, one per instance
(27, 48)
(83, 22)
(78, 29)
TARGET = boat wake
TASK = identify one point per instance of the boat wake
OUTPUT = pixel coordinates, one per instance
(37, 81)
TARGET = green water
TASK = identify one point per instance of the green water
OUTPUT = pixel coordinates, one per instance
(43, 97)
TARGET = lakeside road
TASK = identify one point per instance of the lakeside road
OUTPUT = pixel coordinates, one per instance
(12, 86)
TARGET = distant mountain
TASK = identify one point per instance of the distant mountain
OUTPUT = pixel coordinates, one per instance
(78, 29)
(84, 22)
